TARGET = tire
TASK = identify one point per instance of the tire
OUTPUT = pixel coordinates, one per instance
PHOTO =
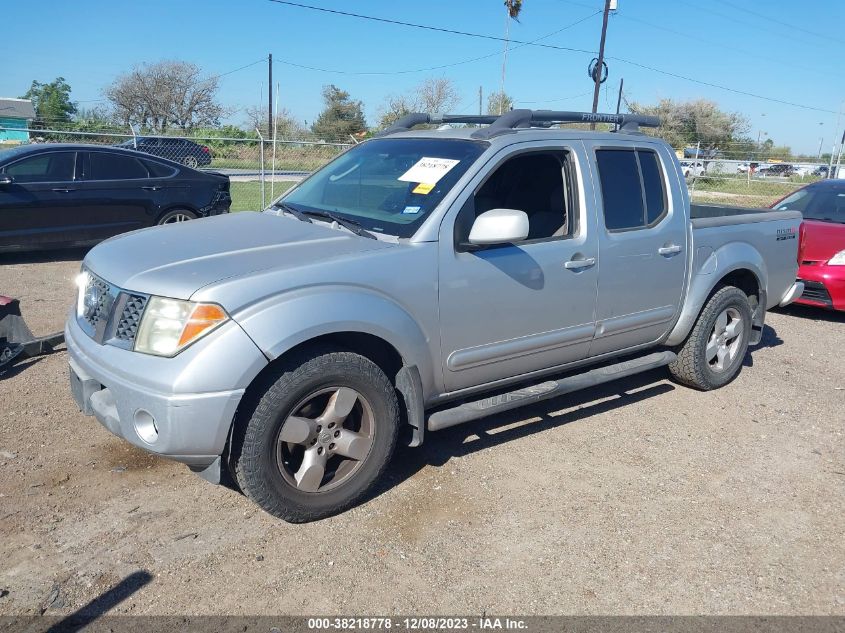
(190, 161)
(711, 357)
(280, 443)
(175, 216)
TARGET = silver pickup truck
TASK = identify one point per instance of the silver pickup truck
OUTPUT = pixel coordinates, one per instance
(422, 279)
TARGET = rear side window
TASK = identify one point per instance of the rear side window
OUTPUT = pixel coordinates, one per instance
(51, 167)
(105, 166)
(632, 187)
(157, 170)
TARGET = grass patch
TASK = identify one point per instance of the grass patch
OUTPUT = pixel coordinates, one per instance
(246, 196)
(741, 192)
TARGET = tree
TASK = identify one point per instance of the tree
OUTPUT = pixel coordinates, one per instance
(51, 102)
(341, 115)
(685, 123)
(432, 95)
(164, 95)
(287, 127)
(498, 103)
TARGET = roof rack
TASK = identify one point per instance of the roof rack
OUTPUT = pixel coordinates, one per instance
(522, 119)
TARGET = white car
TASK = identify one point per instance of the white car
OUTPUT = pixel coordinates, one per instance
(692, 169)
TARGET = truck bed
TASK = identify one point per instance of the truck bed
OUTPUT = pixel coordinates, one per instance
(709, 215)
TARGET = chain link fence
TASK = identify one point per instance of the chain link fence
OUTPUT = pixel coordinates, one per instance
(758, 179)
(259, 169)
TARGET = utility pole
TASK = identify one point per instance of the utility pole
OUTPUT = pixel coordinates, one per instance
(270, 96)
(600, 63)
(479, 100)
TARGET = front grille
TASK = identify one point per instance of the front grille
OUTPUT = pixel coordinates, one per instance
(816, 291)
(109, 314)
(130, 318)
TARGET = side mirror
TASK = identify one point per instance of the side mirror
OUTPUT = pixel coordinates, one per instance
(6, 180)
(499, 226)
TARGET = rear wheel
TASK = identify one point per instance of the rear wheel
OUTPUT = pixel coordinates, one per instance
(713, 353)
(318, 438)
(177, 215)
(190, 161)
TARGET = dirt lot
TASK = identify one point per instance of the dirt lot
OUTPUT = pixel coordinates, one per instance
(639, 498)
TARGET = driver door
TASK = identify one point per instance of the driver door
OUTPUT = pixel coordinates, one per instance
(512, 309)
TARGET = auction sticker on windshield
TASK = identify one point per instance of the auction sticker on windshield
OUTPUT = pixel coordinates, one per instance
(429, 170)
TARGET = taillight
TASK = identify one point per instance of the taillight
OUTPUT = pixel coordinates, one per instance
(205, 149)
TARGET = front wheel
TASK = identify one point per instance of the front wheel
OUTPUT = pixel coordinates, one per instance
(318, 437)
(713, 353)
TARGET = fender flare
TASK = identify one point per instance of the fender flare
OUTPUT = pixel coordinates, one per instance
(713, 267)
(280, 323)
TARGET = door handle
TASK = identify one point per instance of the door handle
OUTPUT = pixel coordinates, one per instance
(576, 264)
(59, 190)
(669, 250)
(151, 188)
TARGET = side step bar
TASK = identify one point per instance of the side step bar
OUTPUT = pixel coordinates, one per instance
(468, 411)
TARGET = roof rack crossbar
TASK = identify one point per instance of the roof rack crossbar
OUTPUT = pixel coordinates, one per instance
(520, 119)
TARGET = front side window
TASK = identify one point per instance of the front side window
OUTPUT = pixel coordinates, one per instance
(50, 167)
(106, 166)
(387, 185)
(538, 183)
(632, 187)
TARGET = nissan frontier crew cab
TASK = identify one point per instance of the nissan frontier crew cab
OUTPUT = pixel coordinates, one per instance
(422, 279)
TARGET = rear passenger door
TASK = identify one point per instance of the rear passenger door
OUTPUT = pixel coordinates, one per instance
(643, 234)
(118, 194)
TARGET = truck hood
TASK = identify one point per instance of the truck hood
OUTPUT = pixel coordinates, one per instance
(176, 260)
(821, 240)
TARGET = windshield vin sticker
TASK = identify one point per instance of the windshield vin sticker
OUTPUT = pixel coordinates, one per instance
(429, 170)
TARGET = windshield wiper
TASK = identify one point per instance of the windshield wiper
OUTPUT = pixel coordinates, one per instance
(299, 215)
(350, 225)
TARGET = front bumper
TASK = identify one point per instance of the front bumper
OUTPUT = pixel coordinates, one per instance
(169, 406)
(824, 286)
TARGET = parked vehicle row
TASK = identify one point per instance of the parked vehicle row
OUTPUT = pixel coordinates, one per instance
(60, 195)
(420, 280)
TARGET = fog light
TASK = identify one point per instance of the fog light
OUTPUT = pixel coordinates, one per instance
(145, 426)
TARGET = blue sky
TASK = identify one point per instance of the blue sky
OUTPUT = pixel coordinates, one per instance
(793, 54)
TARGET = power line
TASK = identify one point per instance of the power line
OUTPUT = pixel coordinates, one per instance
(776, 21)
(258, 61)
(428, 28)
(440, 67)
(553, 47)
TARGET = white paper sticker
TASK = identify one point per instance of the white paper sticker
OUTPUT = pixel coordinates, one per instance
(411, 210)
(429, 170)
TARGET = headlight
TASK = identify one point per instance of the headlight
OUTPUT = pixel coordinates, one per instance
(170, 325)
(82, 280)
(838, 259)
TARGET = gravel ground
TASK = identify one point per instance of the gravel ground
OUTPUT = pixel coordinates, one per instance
(641, 497)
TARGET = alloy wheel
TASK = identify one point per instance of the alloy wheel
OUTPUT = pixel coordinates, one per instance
(725, 340)
(325, 440)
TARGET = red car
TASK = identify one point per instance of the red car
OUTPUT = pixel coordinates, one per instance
(821, 250)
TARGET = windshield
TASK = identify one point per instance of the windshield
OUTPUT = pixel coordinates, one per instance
(387, 185)
(817, 203)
